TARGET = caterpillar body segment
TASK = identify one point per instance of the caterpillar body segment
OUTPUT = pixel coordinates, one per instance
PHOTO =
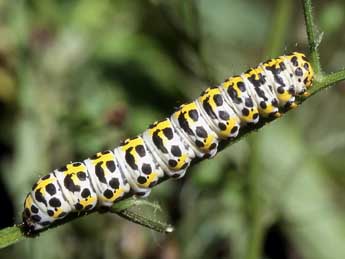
(221, 118)
(107, 179)
(167, 147)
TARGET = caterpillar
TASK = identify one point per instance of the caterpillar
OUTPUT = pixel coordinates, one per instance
(167, 148)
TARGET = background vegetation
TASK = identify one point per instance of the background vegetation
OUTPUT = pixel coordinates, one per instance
(76, 77)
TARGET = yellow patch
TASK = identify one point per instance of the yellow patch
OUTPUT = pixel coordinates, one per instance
(41, 184)
(28, 202)
(151, 178)
(88, 201)
(103, 158)
(160, 126)
(132, 143)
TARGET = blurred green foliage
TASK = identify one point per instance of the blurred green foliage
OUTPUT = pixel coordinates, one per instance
(76, 77)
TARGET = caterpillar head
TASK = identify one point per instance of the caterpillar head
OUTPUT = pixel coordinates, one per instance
(303, 72)
(33, 217)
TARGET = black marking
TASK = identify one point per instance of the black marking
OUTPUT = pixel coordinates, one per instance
(78, 206)
(157, 140)
(199, 144)
(141, 179)
(282, 66)
(184, 124)
(201, 132)
(108, 193)
(221, 126)
(88, 207)
(245, 112)
(39, 197)
(249, 102)
(280, 90)
(172, 163)
(55, 202)
(34, 209)
(62, 214)
(292, 90)
(110, 165)
(46, 177)
(168, 133)
(263, 105)
(45, 223)
(85, 193)
(193, 114)
(223, 115)
(62, 169)
(100, 172)
(241, 86)
(50, 188)
(81, 176)
(234, 129)
(260, 93)
(140, 150)
(26, 213)
(35, 218)
(208, 108)
(95, 157)
(114, 183)
(233, 95)
(299, 71)
(176, 151)
(217, 98)
(34, 186)
(130, 159)
(146, 168)
(213, 146)
(69, 184)
(294, 61)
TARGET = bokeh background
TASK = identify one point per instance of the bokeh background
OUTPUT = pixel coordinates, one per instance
(77, 77)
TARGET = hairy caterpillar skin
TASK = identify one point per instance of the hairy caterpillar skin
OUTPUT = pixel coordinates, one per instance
(167, 147)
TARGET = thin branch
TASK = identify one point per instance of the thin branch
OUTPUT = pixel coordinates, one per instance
(328, 80)
(312, 41)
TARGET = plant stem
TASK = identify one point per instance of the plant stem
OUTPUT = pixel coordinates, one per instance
(328, 80)
(312, 42)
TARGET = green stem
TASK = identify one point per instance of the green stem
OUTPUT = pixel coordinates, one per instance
(328, 80)
(312, 42)
(12, 235)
